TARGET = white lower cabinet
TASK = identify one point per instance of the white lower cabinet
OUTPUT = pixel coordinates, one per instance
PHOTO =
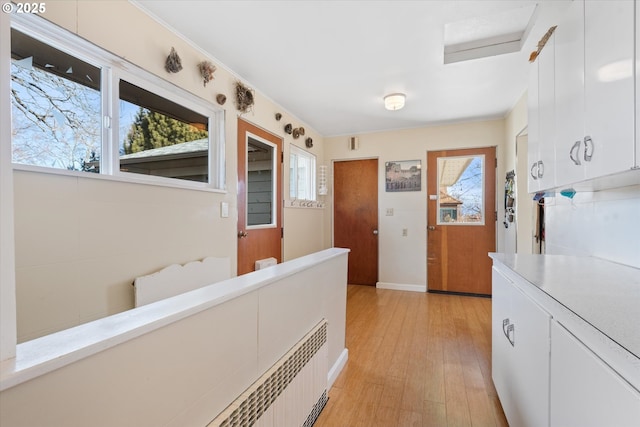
(584, 390)
(543, 374)
(520, 348)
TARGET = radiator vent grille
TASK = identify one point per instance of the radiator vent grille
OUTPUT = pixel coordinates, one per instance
(259, 398)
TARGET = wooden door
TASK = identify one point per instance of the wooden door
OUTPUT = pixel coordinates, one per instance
(355, 216)
(461, 220)
(259, 196)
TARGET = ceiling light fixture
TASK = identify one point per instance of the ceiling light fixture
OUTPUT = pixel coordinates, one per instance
(395, 101)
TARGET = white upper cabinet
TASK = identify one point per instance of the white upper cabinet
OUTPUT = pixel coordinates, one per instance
(569, 79)
(592, 82)
(542, 156)
(533, 128)
(609, 87)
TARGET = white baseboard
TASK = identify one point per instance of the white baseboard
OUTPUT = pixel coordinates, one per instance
(337, 368)
(401, 287)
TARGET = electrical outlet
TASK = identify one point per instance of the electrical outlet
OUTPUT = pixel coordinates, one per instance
(405, 232)
(389, 211)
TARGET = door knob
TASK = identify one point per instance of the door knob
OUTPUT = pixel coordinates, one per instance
(242, 234)
(431, 228)
(375, 232)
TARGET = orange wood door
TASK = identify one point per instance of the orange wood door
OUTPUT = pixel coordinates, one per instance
(259, 196)
(355, 216)
(461, 220)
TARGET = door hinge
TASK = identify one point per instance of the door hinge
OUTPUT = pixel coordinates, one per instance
(496, 162)
(282, 157)
(496, 212)
(282, 232)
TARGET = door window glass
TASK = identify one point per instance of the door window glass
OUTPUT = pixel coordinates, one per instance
(461, 190)
(260, 183)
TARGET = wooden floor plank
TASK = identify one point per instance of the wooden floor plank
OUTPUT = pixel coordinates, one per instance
(415, 359)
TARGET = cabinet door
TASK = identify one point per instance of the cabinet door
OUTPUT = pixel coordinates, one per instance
(533, 129)
(530, 378)
(545, 168)
(584, 390)
(501, 350)
(569, 96)
(609, 87)
(520, 354)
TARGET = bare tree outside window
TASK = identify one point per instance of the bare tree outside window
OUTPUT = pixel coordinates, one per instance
(461, 189)
(56, 121)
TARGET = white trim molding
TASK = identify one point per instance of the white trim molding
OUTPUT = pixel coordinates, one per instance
(401, 287)
(8, 332)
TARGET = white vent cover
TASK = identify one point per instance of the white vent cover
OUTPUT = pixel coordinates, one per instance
(264, 263)
(292, 393)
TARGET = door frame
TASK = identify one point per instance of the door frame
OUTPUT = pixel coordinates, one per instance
(495, 207)
(246, 129)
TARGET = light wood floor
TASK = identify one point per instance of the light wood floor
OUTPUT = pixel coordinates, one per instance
(415, 359)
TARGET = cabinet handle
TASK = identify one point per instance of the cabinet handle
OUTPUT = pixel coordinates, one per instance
(511, 328)
(573, 153)
(507, 329)
(540, 169)
(588, 148)
(534, 175)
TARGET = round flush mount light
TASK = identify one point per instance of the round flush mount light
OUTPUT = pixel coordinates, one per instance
(394, 101)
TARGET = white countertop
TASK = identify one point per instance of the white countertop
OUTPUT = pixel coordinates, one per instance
(604, 294)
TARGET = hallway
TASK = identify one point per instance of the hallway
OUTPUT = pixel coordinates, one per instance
(415, 359)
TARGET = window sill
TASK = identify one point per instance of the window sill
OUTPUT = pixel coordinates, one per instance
(304, 204)
(123, 178)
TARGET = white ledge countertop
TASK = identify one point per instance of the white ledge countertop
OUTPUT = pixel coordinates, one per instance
(50, 352)
(604, 294)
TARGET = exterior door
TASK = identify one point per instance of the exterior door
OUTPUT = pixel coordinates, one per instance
(461, 220)
(355, 216)
(259, 196)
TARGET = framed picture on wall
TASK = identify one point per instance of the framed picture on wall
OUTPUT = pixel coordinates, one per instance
(403, 175)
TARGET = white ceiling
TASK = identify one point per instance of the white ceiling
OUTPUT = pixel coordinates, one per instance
(330, 63)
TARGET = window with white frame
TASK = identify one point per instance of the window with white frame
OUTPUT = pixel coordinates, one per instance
(302, 174)
(63, 117)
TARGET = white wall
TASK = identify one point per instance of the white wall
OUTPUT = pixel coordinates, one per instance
(515, 124)
(80, 241)
(403, 260)
(605, 224)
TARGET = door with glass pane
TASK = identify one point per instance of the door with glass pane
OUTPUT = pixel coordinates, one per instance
(461, 220)
(259, 196)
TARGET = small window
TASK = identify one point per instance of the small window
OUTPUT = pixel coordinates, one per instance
(55, 107)
(160, 137)
(302, 174)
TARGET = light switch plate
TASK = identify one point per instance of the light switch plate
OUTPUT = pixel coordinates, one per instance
(224, 210)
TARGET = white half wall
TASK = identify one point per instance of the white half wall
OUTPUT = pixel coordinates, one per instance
(177, 362)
